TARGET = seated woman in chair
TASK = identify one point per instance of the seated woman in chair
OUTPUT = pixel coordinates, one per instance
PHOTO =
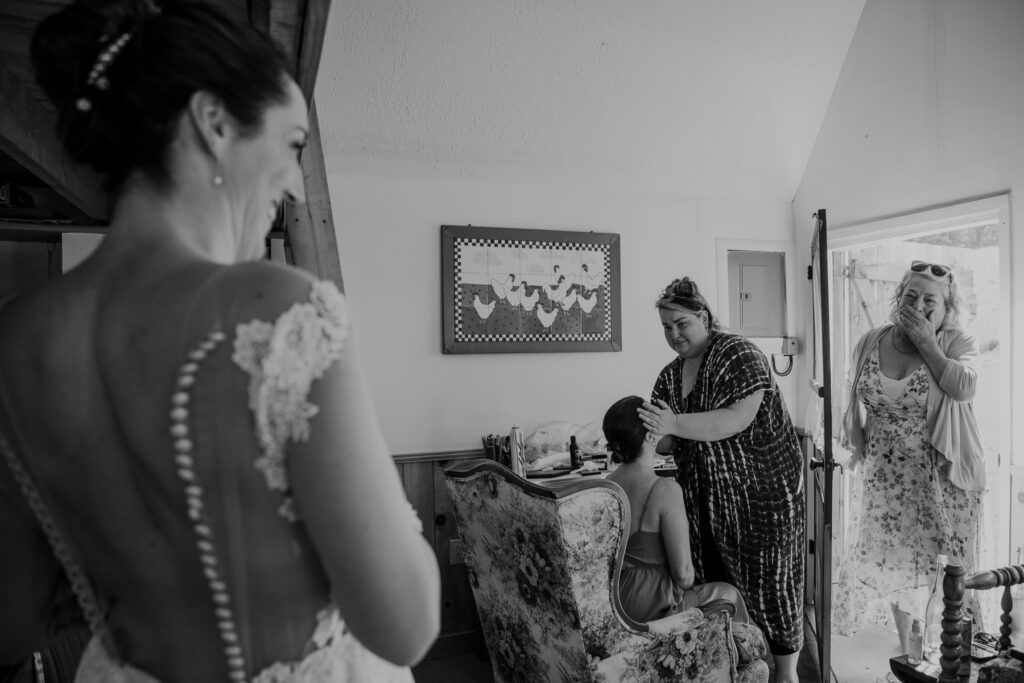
(657, 574)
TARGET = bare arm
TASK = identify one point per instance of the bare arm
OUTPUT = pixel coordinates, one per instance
(383, 572)
(713, 425)
(675, 533)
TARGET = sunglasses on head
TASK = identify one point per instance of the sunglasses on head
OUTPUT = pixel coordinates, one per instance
(937, 269)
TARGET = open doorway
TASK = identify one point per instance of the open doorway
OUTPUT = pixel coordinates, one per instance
(868, 262)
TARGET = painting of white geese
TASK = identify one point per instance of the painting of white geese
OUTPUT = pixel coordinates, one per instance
(546, 318)
(483, 310)
(509, 290)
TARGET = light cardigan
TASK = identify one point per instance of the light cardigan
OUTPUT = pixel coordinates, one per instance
(949, 413)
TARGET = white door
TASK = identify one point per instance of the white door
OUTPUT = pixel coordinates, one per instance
(868, 262)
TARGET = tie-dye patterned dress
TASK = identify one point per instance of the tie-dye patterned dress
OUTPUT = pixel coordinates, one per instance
(744, 494)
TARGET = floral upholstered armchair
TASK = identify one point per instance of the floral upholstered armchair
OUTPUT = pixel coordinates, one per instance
(543, 563)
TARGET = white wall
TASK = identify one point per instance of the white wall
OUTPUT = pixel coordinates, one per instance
(709, 98)
(673, 124)
(928, 111)
(389, 236)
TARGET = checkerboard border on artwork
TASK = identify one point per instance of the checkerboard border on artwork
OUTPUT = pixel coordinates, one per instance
(455, 339)
(461, 336)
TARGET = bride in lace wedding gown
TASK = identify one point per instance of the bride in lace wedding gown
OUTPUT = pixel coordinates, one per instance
(185, 424)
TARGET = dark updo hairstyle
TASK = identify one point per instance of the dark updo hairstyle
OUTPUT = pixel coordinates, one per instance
(683, 293)
(623, 429)
(173, 50)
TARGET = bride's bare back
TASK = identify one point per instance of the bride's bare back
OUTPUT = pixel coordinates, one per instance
(195, 417)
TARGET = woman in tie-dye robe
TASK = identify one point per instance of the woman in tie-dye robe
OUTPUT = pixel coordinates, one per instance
(740, 466)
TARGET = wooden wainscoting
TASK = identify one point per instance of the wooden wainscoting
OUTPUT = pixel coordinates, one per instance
(423, 477)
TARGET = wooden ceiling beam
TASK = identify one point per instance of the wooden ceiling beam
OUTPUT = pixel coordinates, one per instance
(285, 27)
(27, 135)
(314, 26)
(298, 26)
(310, 227)
(23, 229)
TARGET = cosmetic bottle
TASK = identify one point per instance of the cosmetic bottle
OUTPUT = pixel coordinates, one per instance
(915, 643)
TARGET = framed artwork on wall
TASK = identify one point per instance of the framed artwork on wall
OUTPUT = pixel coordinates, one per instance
(510, 290)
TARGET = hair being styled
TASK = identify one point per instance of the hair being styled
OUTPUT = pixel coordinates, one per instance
(954, 300)
(683, 293)
(119, 99)
(623, 429)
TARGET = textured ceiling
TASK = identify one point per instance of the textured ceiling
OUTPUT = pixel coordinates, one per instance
(693, 97)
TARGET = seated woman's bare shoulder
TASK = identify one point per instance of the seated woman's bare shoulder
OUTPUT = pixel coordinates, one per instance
(668, 491)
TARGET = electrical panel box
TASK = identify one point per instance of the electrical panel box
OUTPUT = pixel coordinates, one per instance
(757, 293)
(790, 346)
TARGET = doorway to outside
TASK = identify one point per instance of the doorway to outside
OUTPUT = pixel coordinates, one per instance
(868, 262)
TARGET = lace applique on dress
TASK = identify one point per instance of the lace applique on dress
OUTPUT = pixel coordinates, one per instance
(334, 656)
(337, 656)
(283, 359)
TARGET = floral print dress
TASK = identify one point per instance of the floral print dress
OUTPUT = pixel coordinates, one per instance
(904, 509)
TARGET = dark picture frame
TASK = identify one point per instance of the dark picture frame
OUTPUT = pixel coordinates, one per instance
(513, 290)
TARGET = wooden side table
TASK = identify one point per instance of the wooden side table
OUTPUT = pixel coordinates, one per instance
(910, 673)
(998, 670)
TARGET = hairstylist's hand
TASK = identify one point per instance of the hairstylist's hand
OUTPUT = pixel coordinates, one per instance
(918, 326)
(657, 417)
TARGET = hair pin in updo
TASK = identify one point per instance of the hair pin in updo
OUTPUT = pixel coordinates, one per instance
(97, 78)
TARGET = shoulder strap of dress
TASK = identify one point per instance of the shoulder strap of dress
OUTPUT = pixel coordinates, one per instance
(647, 500)
(92, 605)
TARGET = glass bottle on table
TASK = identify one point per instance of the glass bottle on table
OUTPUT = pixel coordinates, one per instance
(915, 649)
(517, 451)
(575, 461)
(933, 613)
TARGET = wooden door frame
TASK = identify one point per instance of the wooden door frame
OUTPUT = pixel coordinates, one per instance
(821, 464)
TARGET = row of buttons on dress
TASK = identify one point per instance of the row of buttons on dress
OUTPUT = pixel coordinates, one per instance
(194, 501)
